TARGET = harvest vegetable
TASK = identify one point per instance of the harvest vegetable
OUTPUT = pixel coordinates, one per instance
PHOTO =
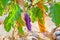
(27, 20)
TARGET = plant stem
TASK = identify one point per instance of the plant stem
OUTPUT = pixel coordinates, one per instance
(40, 5)
(12, 35)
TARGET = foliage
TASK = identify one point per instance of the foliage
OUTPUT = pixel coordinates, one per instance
(35, 1)
(46, 8)
(13, 15)
(4, 2)
(55, 13)
(20, 30)
(35, 11)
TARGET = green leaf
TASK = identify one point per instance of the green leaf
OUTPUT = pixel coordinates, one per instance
(35, 13)
(20, 20)
(13, 15)
(44, 0)
(20, 30)
(35, 1)
(55, 13)
(32, 12)
(46, 8)
(4, 2)
(1, 9)
(25, 4)
(40, 15)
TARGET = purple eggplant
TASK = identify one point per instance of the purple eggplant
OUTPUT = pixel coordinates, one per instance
(27, 20)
